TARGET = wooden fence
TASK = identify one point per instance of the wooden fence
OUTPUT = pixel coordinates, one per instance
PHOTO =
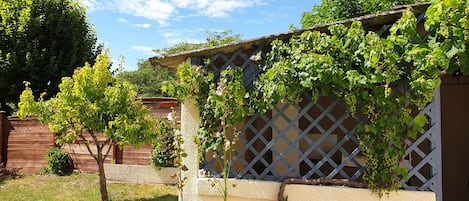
(23, 143)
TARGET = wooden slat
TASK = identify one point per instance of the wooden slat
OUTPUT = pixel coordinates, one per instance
(28, 141)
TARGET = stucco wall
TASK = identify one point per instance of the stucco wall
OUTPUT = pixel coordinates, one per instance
(140, 174)
(251, 190)
(455, 137)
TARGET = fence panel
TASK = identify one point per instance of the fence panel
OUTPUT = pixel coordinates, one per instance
(28, 142)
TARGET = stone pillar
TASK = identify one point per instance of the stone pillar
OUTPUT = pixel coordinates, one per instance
(189, 127)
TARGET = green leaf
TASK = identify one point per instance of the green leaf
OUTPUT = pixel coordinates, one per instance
(453, 51)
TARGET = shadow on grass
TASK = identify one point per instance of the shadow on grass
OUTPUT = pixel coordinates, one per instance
(8, 174)
(159, 198)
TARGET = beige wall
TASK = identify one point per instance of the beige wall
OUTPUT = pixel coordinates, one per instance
(250, 190)
(140, 174)
(297, 192)
(455, 138)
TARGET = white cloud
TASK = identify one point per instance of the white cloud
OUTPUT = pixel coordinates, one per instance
(162, 11)
(157, 10)
(125, 21)
(90, 5)
(145, 25)
(144, 49)
(216, 8)
(174, 36)
(122, 20)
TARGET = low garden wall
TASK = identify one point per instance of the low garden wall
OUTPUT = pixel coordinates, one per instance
(140, 174)
(252, 190)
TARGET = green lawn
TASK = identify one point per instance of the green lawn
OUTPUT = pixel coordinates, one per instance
(80, 187)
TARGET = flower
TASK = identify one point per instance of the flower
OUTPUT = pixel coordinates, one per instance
(227, 145)
(170, 116)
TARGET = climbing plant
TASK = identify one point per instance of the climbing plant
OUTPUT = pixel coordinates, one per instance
(223, 104)
(365, 71)
(379, 76)
(448, 25)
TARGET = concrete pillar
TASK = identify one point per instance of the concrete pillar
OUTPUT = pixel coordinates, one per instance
(189, 127)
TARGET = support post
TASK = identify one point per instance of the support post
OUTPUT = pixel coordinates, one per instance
(436, 144)
(3, 134)
(117, 153)
(189, 127)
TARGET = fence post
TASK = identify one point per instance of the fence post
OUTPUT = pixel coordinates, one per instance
(3, 134)
(117, 154)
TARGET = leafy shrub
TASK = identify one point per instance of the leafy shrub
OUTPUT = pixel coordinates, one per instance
(59, 162)
(164, 150)
(162, 156)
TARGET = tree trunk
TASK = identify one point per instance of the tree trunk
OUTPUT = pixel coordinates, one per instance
(102, 180)
(4, 106)
(99, 158)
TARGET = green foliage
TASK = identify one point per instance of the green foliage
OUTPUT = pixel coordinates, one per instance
(225, 107)
(164, 151)
(334, 10)
(214, 38)
(40, 42)
(93, 102)
(380, 77)
(193, 82)
(168, 151)
(449, 21)
(362, 69)
(59, 162)
(222, 103)
(148, 78)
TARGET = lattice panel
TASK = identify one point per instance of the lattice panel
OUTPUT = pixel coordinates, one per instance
(423, 155)
(317, 140)
(304, 140)
(242, 58)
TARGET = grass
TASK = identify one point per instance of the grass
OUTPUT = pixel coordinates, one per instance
(80, 187)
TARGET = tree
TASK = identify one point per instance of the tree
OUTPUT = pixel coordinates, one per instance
(148, 78)
(40, 42)
(214, 38)
(334, 10)
(93, 102)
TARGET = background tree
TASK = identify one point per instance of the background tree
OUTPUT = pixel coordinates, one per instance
(148, 78)
(334, 10)
(40, 42)
(93, 102)
(214, 38)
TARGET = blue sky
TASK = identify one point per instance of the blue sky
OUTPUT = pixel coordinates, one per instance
(132, 28)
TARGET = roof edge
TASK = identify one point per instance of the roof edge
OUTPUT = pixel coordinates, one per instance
(172, 61)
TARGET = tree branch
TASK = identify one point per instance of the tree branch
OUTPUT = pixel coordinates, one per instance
(108, 150)
(105, 143)
(88, 146)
